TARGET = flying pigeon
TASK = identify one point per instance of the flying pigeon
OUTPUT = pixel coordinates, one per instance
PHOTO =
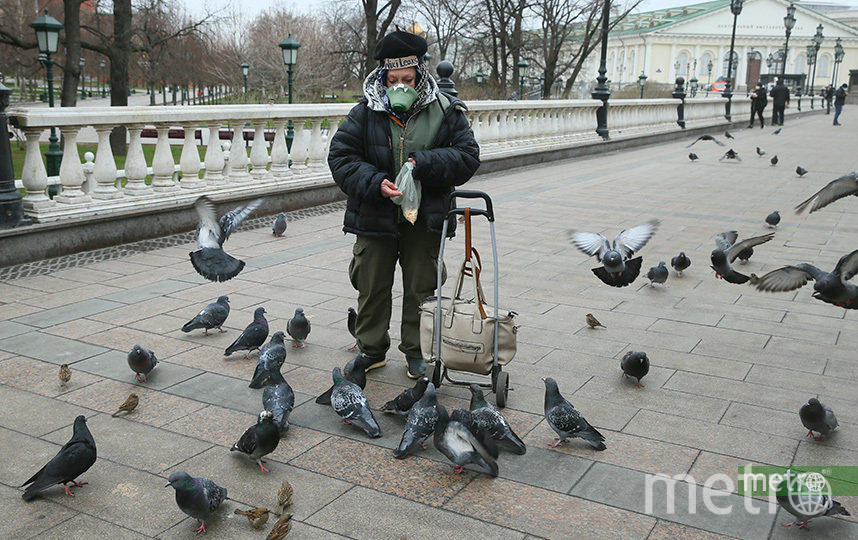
(279, 226)
(256, 516)
(351, 404)
(831, 287)
(773, 219)
(402, 403)
(760, 152)
(65, 375)
(488, 418)
(618, 269)
(196, 496)
(73, 459)
(355, 371)
(420, 424)
(727, 250)
(774, 160)
(729, 135)
(706, 138)
(211, 316)
(351, 322)
(210, 260)
(252, 337)
(592, 321)
(658, 274)
(566, 421)
(819, 417)
(459, 445)
(141, 361)
(635, 364)
(128, 405)
(801, 501)
(692, 156)
(259, 440)
(271, 357)
(279, 398)
(777, 131)
(730, 154)
(680, 263)
(298, 327)
(801, 171)
(833, 191)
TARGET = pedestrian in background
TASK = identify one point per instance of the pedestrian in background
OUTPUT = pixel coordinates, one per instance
(839, 102)
(758, 104)
(780, 99)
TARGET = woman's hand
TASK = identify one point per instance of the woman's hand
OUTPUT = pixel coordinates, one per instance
(389, 189)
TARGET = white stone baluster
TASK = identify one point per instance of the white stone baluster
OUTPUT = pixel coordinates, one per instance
(299, 146)
(334, 124)
(316, 152)
(135, 165)
(71, 170)
(259, 152)
(476, 125)
(214, 157)
(88, 168)
(227, 170)
(238, 155)
(189, 162)
(104, 172)
(163, 165)
(493, 129)
(33, 175)
(279, 151)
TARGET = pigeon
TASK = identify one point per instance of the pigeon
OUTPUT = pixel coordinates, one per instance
(801, 171)
(774, 160)
(727, 250)
(729, 135)
(271, 358)
(402, 403)
(196, 496)
(592, 321)
(256, 516)
(658, 274)
(281, 528)
(351, 322)
(279, 226)
(635, 364)
(355, 371)
(830, 287)
(835, 190)
(566, 421)
(618, 269)
(819, 417)
(284, 495)
(65, 375)
(693, 157)
(798, 501)
(773, 219)
(259, 440)
(351, 405)
(210, 260)
(141, 361)
(279, 398)
(73, 459)
(459, 445)
(128, 405)
(252, 337)
(706, 138)
(680, 263)
(730, 154)
(420, 424)
(488, 418)
(211, 316)
(777, 131)
(760, 152)
(298, 327)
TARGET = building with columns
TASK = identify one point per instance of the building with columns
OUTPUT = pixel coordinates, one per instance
(686, 41)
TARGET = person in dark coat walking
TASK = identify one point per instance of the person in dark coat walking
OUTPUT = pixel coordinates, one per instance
(829, 95)
(758, 104)
(780, 99)
(839, 102)
(402, 118)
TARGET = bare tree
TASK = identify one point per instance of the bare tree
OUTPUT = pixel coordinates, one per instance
(446, 21)
(377, 23)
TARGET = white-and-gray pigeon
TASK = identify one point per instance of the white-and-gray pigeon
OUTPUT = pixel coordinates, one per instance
(805, 504)
(565, 419)
(618, 269)
(253, 336)
(210, 260)
(488, 418)
(73, 459)
(835, 190)
(142, 361)
(212, 316)
(830, 287)
(727, 250)
(819, 417)
(298, 328)
(459, 444)
(349, 402)
(272, 355)
(421, 422)
(279, 398)
(196, 496)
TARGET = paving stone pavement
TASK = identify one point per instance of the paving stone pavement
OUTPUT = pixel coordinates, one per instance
(730, 365)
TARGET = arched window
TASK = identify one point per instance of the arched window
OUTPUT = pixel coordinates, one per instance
(800, 63)
(682, 62)
(823, 66)
(705, 60)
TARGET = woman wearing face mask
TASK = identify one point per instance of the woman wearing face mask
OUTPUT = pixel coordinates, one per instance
(402, 117)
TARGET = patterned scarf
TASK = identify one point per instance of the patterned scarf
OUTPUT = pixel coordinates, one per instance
(375, 85)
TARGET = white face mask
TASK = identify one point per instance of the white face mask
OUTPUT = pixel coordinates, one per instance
(401, 97)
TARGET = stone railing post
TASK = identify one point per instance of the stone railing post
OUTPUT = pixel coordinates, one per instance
(34, 176)
(71, 170)
(104, 171)
(189, 162)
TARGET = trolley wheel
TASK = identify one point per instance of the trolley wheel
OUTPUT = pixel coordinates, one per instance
(502, 389)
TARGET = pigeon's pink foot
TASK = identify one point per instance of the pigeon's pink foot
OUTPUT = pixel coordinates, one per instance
(201, 529)
(353, 347)
(809, 433)
(261, 466)
(557, 443)
(638, 384)
(140, 377)
(344, 421)
(821, 436)
(458, 469)
(79, 484)
(68, 491)
(221, 330)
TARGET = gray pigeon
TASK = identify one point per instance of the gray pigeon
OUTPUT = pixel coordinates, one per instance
(406, 399)
(819, 417)
(774, 160)
(805, 504)
(351, 405)
(259, 440)
(801, 171)
(730, 154)
(635, 364)
(354, 371)
(279, 398)
(488, 418)
(680, 263)
(729, 135)
(833, 191)
(141, 361)
(298, 328)
(773, 219)
(73, 459)
(705, 138)
(420, 424)
(210, 260)
(272, 355)
(692, 156)
(279, 226)
(618, 269)
(351, 323)
(196, 496)
(459, 445)
(658, 274)
(727, 250)
(212, 316)
(565, 419)
(253, 336)
(760, 152)
(777, 131)
(830, 287)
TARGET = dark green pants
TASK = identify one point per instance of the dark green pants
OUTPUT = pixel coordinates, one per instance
(371, 272)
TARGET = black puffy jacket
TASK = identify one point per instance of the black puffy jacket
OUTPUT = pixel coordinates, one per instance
(360, 157)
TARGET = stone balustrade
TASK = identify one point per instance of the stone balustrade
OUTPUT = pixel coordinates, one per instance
(257, 168)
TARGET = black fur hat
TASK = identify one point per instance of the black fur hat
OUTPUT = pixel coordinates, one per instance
(400, 49)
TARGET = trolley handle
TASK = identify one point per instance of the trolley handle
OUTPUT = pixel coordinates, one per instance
(470, 194)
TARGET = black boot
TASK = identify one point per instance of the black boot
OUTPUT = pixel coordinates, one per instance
(416, 367)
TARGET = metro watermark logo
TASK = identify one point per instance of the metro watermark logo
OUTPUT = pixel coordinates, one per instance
(762, 481)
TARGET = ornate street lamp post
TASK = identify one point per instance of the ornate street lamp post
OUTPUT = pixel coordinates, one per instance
(642, 82)
(101, 64)
(735, 9)
(789, 24)
(245, 69)
(48, 34)
(839, 53)
(817, 43)
(709, 84)
(522, 66)
(811, 63)
(601, 92)
(480, 77)
(289, 48)
(82, 78)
